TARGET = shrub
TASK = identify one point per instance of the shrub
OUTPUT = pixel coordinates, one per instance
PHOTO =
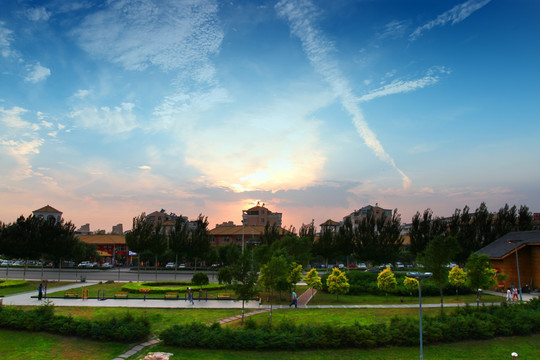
(200, 278)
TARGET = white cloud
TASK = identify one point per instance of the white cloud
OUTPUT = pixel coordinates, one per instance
(167, 34)
(301, 15)
(6, 38)
(107, 120)
(400, 86)
(47, 124)
(392, 30)
(37, 14)
(37, 73)
(455, 15)
(81, 93)
(12, 118)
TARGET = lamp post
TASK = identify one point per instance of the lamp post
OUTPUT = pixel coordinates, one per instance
(243, 228)
(419, 276)
(515, 242)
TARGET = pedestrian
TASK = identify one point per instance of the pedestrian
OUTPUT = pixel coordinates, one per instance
(508, 295)
(514, 294)
(294, 300)
(40, 292)
(190, 296)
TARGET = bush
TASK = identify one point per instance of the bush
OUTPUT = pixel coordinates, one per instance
(200, 278)
(122, 329)
(466, 323)
(163, 287)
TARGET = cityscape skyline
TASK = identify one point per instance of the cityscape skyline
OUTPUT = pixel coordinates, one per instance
(111, 109)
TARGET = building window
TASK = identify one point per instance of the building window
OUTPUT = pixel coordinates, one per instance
(262, 220)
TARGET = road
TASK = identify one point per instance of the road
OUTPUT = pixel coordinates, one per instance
(115, 274)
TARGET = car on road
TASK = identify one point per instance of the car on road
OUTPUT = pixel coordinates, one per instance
(361, 266)
(182, 266)
(400, 265)
(107, 265)
(170, 265)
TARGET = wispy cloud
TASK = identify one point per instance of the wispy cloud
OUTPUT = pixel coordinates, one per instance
(455, 15)
(400, 86)
(38, 14)
(37, 73)
(301, 15)
(6, 38)
(81, 94)
(107, 120)
(171, 35)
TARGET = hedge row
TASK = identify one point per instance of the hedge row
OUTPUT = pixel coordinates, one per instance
(465, 324)
(179, 286)
(366, 283)
(125, 328)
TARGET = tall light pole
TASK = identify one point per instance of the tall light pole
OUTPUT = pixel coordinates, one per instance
(419, 276)
(515, 242)
(243, 228)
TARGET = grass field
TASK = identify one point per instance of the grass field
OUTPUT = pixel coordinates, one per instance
(29, 286)
(495, 349)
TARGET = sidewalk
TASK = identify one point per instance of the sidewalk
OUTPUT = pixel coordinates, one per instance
(25, 299)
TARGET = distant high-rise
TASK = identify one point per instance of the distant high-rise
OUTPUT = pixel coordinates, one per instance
(117, 229)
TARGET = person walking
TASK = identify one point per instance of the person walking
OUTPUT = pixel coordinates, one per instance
(508, 295)
(190, 296)
(294, 300)
(514, 295)
(40, 292)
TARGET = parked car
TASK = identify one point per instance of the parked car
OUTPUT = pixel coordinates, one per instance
(170, 265)
(376, 271)
(400, 265)
(107, 265)
(182, 266)
(341, 266)
(361, 266)
(84, 264)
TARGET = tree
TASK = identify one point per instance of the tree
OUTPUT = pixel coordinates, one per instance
(299, 248)
(420, 231)
(480, 273)
(344, 240)
(386, 280)
(525, 219)
(324, 246)
(137, 238)
(389, 240)
(272, 271)
(295, 275)
(199, 243)
(244, 280)
(483, 223)
(457, 277)
(225, 275)
(313, 280)
(410, 284)
(337, 283)
(179, 239)
(200, 279)
(59, 241)
(505, 221)
(157, 244)
(439, 252)
(271, 234)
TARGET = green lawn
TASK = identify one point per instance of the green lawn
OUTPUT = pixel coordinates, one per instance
(495, 349)
(17, 345)
(112, 288)
(323, 298)
(29, 286)
(160, 319)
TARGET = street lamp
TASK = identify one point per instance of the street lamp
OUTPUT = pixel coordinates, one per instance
(243, 227)
(419, 276)
(515, 242)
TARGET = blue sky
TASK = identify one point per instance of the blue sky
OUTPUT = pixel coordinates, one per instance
(316, 108)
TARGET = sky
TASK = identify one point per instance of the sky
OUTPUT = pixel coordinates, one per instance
(316, 108)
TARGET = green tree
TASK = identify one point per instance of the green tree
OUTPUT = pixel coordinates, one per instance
(199, 243)
(199, 278)
(225, 275)
(179, 239)
(505, 221)
(137, 238)
(313, 280)
(344, 240)
(298, 247)
(483, 223)
(271, 271)
(386, 281)
(324, 245)
(457, 278)
(337, 283)
(295, 274)
(410, 284)
(480, 273)
(525, 219)
(244, 280)
(438, 253)
(157, 244)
